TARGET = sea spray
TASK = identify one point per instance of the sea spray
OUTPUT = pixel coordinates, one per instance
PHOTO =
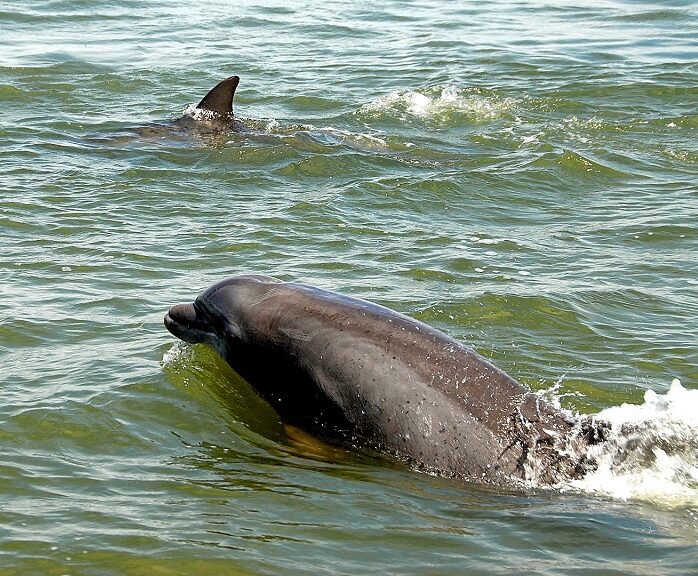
(439, 103)
(649, 452)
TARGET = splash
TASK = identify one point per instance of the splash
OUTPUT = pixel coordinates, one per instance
(200, 114)
(649, 452)
(440, 103)
(179, 352)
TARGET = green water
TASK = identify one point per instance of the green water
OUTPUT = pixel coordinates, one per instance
(523, 176)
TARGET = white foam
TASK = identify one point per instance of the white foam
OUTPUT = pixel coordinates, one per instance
(530, 139)
(439, 101)
(650, 452)
(178, 352)
(199, 113)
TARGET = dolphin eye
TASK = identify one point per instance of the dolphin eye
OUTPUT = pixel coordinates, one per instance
(201, 311)
(218, 320)
(205, 315)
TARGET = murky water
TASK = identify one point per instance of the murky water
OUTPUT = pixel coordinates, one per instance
(523, 176)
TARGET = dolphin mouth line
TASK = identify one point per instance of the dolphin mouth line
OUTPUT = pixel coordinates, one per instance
(183, 322)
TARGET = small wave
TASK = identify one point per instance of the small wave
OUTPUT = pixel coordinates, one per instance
(336, 136)
(650, 451)
(303, 135)
(440, 103)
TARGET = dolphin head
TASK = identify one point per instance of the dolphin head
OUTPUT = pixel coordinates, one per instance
(219, 315)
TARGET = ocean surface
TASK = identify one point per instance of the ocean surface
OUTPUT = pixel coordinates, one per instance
(520, 175)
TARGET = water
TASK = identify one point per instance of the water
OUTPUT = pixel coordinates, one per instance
(520, 175)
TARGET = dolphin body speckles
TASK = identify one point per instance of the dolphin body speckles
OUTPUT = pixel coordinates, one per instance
(352, 370)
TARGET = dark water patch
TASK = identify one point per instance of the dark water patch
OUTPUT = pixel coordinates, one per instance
(11, 94)
(55, 67)
(653, 16)
(313, 104)
(421, 274)
(576, 165)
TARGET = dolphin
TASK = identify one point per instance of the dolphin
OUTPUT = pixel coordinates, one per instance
(210, 119)
(354, 371)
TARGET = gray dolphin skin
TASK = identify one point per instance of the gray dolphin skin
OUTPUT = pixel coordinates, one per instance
(219, 100)
(351, 370)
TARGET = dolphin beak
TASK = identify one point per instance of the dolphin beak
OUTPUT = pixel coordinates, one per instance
(182, 321)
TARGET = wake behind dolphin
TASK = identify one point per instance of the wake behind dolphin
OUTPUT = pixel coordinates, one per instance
(352, 370)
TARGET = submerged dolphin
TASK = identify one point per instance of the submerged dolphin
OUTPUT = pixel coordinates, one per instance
(212, 121)
(353, 370)
(210, 118)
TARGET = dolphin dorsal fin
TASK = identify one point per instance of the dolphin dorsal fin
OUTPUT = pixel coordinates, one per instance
(220, 98)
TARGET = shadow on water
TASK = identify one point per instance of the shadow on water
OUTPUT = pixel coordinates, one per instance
(260, 438)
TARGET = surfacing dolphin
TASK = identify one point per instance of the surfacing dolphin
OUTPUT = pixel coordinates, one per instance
(352, 370)
(210, 118)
